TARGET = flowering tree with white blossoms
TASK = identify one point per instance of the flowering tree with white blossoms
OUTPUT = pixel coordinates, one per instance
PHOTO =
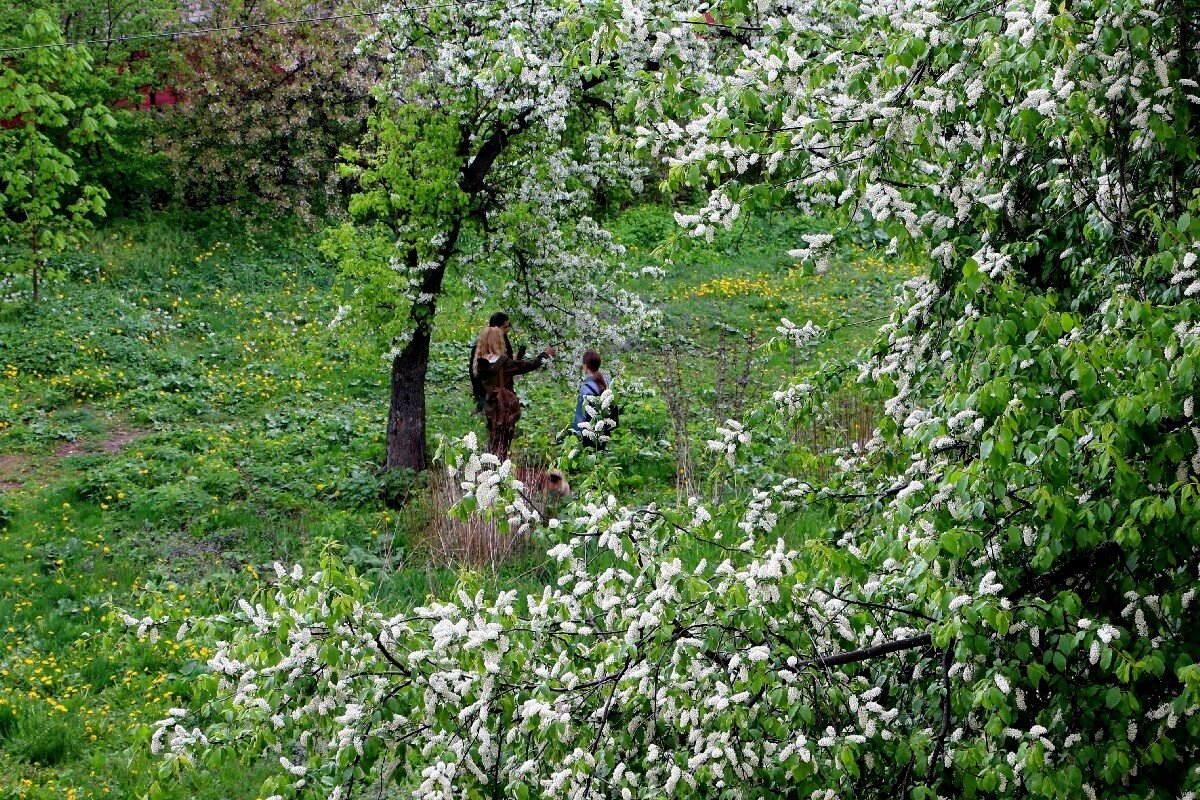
(497, 125)
(267, 107)
(1000, 600)
(1039, 448)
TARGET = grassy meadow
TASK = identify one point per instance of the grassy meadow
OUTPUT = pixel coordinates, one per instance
(177, 414)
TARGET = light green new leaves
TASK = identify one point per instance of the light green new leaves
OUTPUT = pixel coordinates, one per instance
(408, 169)
(44, 207)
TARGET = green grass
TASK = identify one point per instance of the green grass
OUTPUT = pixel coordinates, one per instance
(179, 417)
(43, 738)
(745, 281)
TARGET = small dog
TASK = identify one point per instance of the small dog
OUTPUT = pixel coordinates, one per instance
(557, 487)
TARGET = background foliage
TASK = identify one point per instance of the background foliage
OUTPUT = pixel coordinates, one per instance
(48, 120)
(264, 112)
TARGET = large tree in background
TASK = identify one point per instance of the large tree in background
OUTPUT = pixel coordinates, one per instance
(128, 65)
(251, 116)
(264, 111)
(1001, 600)
(495, 127)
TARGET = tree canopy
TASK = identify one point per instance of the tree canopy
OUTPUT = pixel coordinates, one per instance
(495, 129)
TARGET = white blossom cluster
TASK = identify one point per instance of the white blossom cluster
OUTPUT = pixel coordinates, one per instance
(492, 485)
(599, 423)
(732, 435)
(800, 336)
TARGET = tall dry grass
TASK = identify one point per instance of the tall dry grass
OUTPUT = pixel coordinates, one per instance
(848, 419)
(474, 542)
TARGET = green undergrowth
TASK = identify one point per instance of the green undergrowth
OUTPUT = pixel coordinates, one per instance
(745, 281)
(178, 414)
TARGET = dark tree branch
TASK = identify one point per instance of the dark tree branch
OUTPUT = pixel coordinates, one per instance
(867, 653)
(877, 606)
(391, 659)
(476, 171)
(947, 662)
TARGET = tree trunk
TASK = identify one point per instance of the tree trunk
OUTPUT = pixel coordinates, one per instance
(35, 271)
(36, 238)
(406, 414)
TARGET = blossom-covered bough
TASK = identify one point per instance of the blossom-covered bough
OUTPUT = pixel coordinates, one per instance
(998, 598)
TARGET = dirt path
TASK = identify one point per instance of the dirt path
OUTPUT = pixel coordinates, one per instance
(16, 469)
(13, 469)
(114, 441)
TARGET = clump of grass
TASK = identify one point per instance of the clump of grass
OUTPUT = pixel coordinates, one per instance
(447, 540)
(99, 671)
(8, 719)
(847, 419)
(43, 738)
